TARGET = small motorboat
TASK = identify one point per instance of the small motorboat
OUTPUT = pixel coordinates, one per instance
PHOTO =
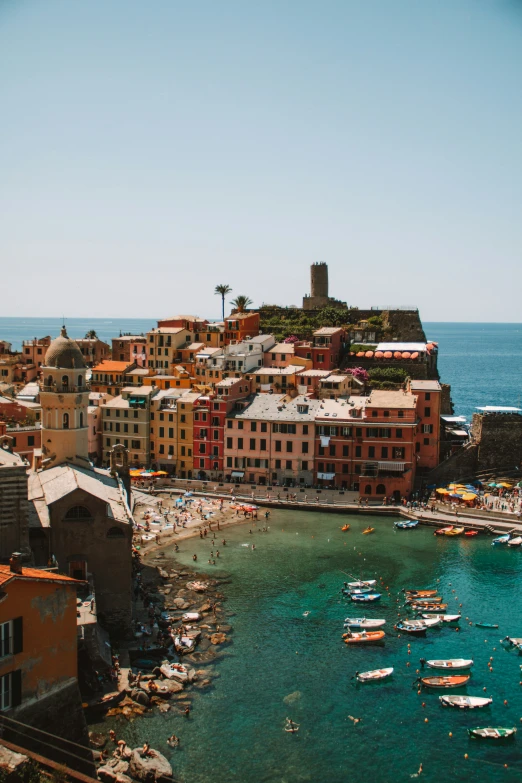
(470, 533)
(517, 541)
(501, 539)
(376, 674)
(414, 630)
(175, 671)
(366, 597)
(359, 584)
(455, 531)
(365, 637)
(486, 625)
(363, 622)
(431, 621)
(345, 528)
(406, 524)
(514, 641)
(454, 681)
(368, 530)
(443, 531)
(443, 618)
(357, 590)
(465, 702)
(448, 663)
(492, 732)
(420, 593)
(413, 599)
(428, 607)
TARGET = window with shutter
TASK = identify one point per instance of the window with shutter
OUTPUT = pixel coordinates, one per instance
(18, 635)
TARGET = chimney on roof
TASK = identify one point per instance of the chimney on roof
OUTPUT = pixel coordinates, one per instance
(15, 563)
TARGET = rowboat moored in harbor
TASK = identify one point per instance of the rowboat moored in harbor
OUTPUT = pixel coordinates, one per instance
(448, 663)
(443, 618)
(366, 597)
(376, 674)
(453, 681)
(363, 622)
(493, 732)
(465, 702)
(406, 524)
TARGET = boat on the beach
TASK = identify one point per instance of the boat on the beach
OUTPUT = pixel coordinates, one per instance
(363, 622)
(184, 644)
(365, 637)
(517, 541)
(453, 681)
(486, 625)
(465, 702)
(414, 630)
(175, 671)
(443, 618)
(406, 524)
(443, 531)
(420, 593)
(366, 597)
(501, 539)
(345, 528)
(376, 674)
(368, 530)
(493, 733)
(448, 663)
(455, 531)
(428, 607)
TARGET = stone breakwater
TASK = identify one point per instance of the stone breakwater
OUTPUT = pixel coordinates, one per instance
(172, 603)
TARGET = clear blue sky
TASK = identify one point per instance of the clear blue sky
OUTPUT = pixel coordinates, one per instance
(149, 150)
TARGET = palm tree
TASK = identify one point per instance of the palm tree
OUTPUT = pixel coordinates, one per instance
(91, 335)
(241, 302)
(223, 290)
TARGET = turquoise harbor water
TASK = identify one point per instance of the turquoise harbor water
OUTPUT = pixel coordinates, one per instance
(235, 733)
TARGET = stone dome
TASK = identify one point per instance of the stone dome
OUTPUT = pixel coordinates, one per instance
(64, 353)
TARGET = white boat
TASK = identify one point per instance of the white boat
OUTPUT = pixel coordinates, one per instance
(465, 702)
(449, 663)
(431, 623)
(184, 644)
(355, 585)
(376, 674)
(515, 541)
(443, 618)
(191, 617)
(363, 622)
(175, 671)
(516, 641)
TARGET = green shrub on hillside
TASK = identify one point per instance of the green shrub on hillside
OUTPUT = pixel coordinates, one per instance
(393, 374)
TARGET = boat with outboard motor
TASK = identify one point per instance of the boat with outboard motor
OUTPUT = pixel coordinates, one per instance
(448, 663)
(514, 641)
(465, 702)
(375, 674)
(414, 630)
(363, 622)
(443, 618)
(364, 598)
(365, 637)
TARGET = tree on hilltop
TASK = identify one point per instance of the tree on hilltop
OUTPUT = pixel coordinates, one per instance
(241, 302)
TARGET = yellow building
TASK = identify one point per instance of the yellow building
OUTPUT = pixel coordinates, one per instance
(127, 420)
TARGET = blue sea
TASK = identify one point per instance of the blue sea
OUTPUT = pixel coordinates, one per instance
(481, 361)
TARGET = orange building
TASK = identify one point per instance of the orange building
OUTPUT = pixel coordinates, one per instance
(38, 648)
(427, 443)
(241, 326)
(109, 376)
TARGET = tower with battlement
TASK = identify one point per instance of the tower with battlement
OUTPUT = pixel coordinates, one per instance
(318, 297)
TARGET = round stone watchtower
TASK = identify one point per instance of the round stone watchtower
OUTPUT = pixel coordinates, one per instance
(64, 397)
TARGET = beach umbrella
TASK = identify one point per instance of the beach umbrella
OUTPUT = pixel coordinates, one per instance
(492, 484)
(469, 496)
(161, 473)
(442, 491)
(146, 473)
(505, 485)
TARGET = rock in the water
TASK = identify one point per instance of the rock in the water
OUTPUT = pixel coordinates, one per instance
(292, 697)
(97, 739)
(218, 638)
(144, 768)
(140, 697)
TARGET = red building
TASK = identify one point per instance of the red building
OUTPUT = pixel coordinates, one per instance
(241, 326)
(327, 349)
(427, 441)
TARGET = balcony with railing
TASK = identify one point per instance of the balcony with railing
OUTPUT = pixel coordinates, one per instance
(64, 388)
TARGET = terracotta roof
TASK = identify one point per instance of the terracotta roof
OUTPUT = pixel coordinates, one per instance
(34, 574)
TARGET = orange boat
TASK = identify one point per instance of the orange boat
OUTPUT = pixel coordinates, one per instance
(455, 681)
(420, 593)
(363, 637)
(345, 528)
(443, 531)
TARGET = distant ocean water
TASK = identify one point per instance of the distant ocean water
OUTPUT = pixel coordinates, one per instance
(481, 361)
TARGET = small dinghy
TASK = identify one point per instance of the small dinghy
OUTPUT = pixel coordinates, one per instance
(455, 681)
(345, 528)
(376, 674)
(428, 607)
(366, 597)
(486, 625)
(443, 531)
(448, 663)
(406, 524)
(443, 618)
(420, 593)
(360, 584)
(465, 702)
(501, 539)
(368, 530)
(363, 622)
(456, 531)
(515, 541)
(175, 671)
(493, 733)
(365, 637)
(414, 630)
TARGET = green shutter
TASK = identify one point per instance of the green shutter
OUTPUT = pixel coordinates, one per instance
(18, 635)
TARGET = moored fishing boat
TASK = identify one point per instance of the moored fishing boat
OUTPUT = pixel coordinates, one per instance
(365, 637)
(363, 622)
(517, 541)
(357, 590)
(493, 732)
(501, 539)
(361, 583)
(443, 531)
(366, 597)
(455, 531)
(420, 593)
(406, 524)
(428, 607)
(443, 618)
(414, 630)
(453, 681)
(465, 702)
(434, 599)
(515, 641)
(368, 530)
(376, 674)
(486, 625)
(448, 663)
